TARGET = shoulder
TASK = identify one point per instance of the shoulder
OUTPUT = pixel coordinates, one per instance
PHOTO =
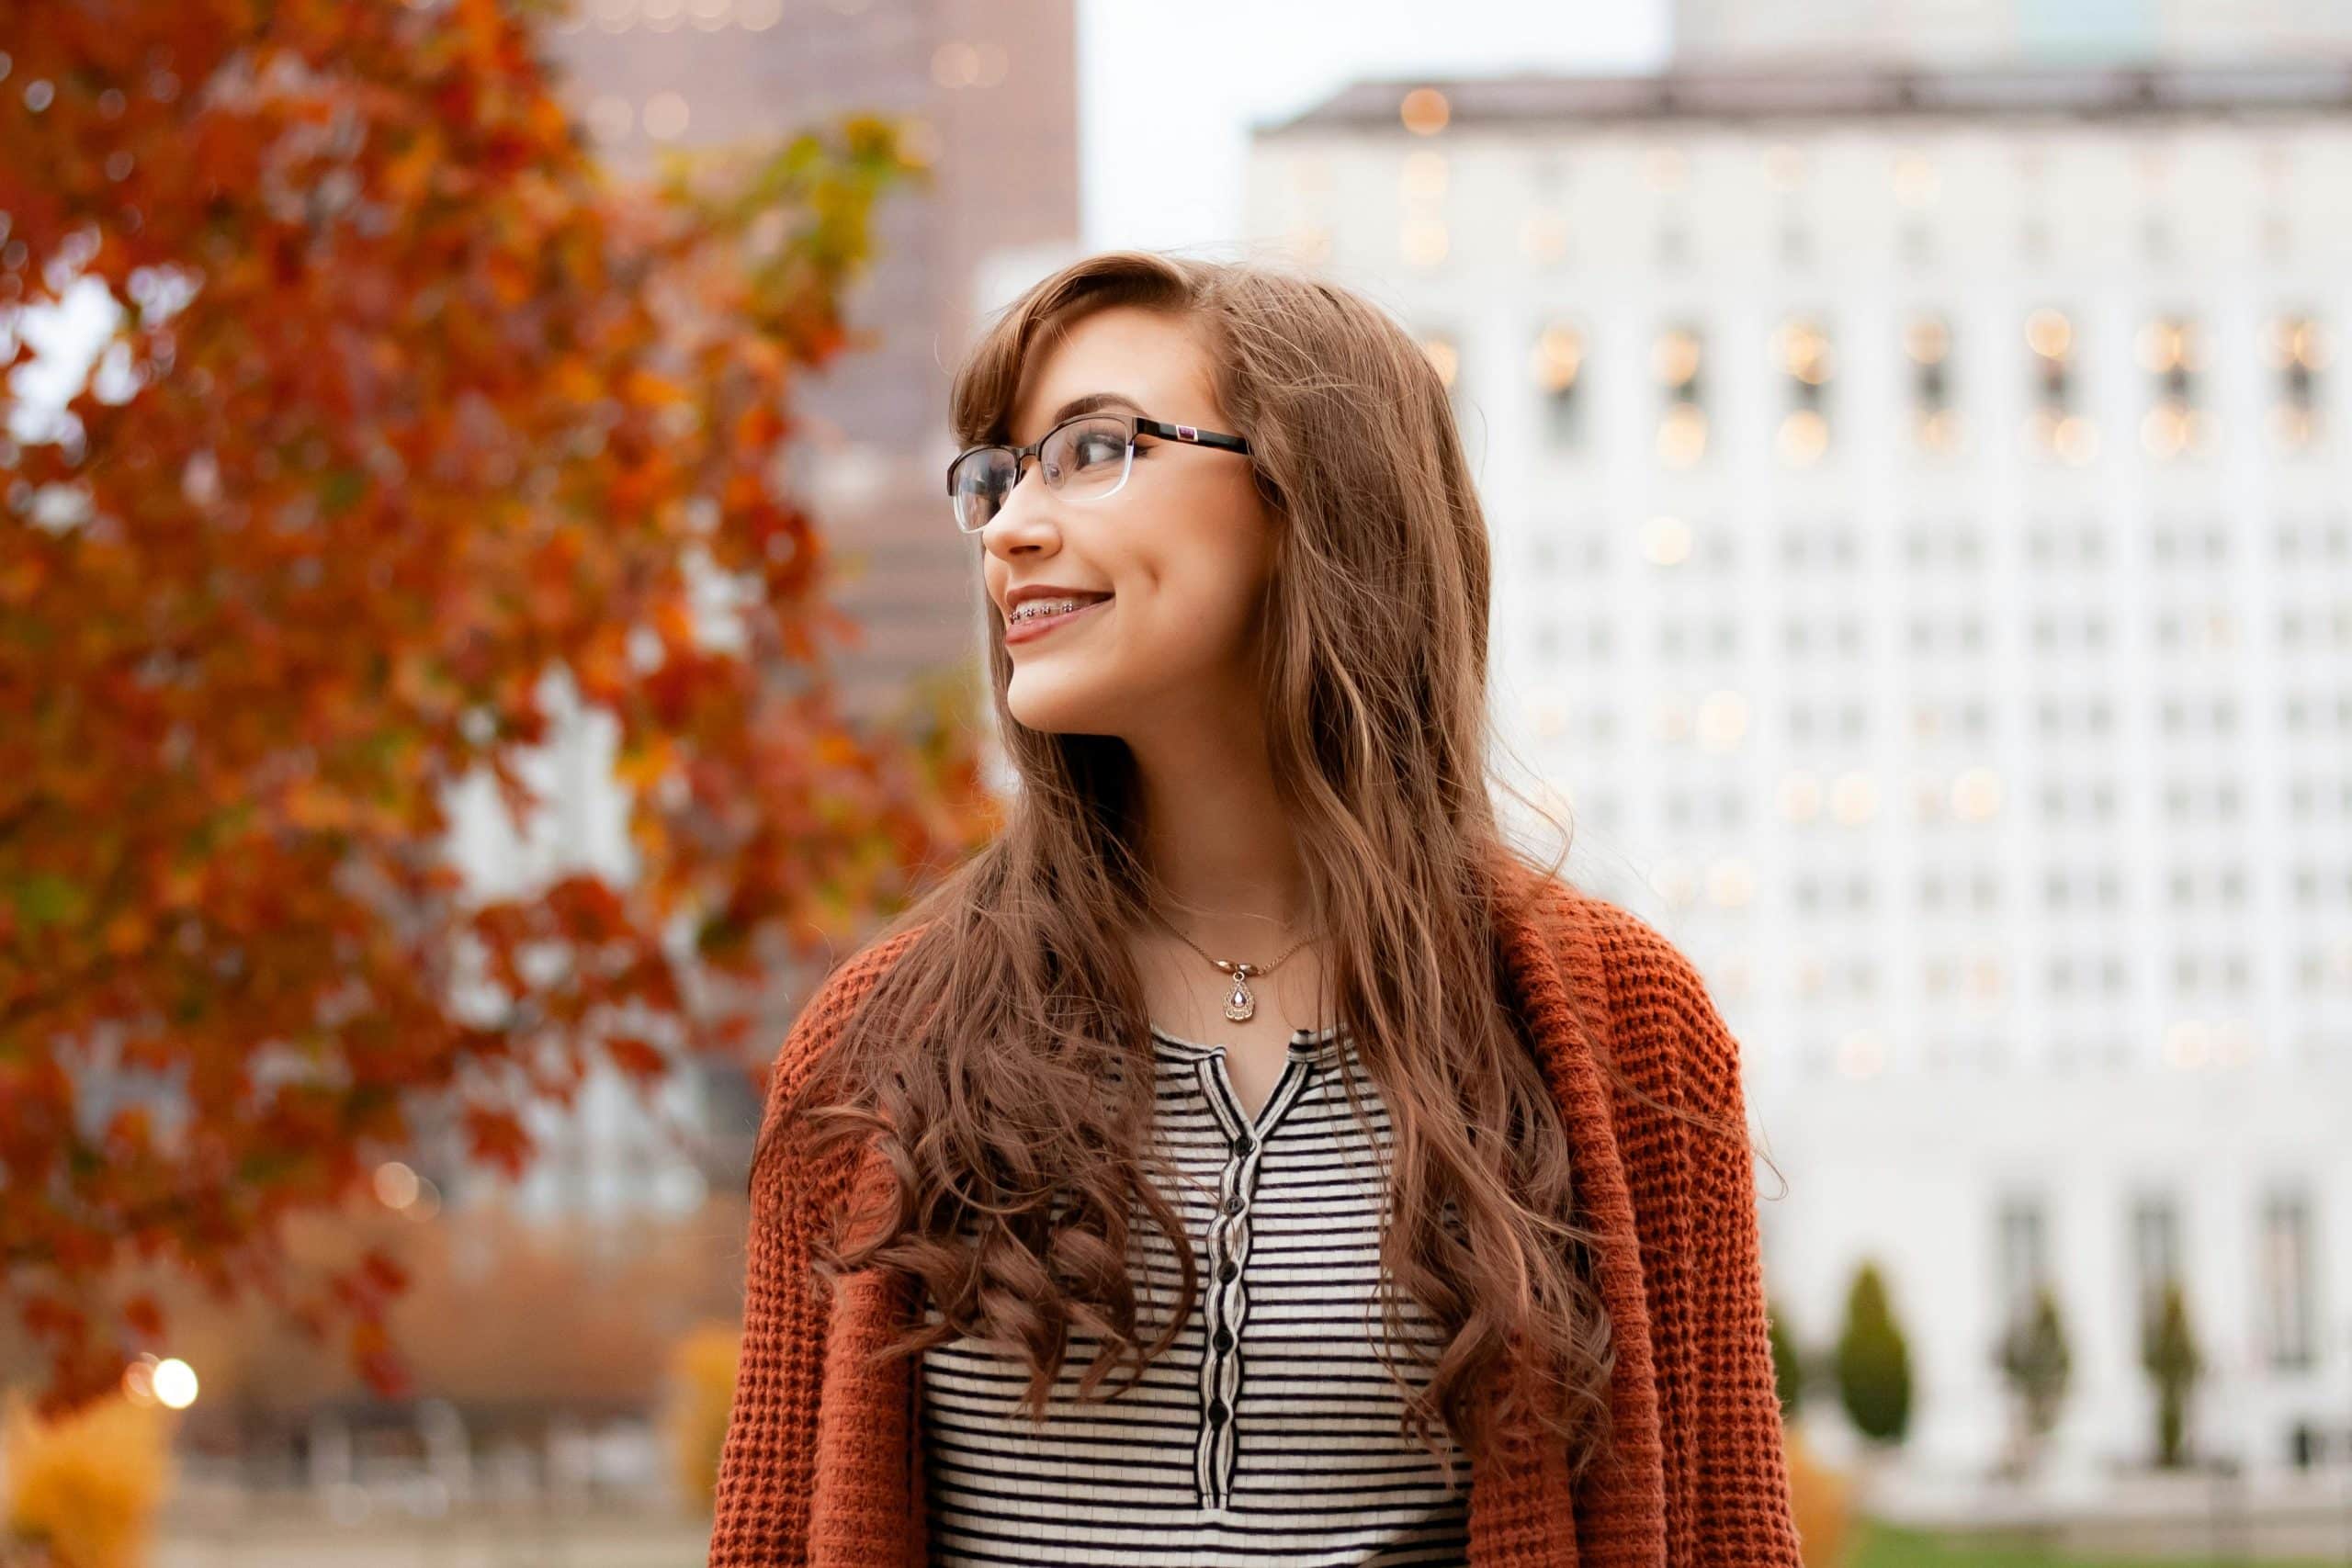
(1664, 1029)
(1644, 965)
(1597, 940)
(831, 1004)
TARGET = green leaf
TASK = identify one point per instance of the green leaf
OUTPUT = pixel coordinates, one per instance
(45, 900)
(341, 490)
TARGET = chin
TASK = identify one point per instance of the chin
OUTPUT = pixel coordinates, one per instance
(1060, 707)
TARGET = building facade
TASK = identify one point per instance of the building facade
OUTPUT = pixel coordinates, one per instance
(1918, 492)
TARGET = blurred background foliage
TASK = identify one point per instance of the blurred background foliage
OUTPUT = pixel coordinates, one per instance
(411, 428)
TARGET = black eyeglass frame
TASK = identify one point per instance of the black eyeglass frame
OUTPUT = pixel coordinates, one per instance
(1189, 434)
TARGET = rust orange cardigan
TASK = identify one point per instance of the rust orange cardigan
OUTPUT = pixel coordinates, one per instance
(822, 1463)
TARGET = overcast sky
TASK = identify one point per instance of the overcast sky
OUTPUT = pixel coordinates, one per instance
(1167, 94)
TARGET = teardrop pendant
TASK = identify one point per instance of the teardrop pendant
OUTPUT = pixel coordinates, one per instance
(1241, 1006)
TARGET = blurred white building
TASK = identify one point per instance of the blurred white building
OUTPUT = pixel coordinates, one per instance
(1925, 563)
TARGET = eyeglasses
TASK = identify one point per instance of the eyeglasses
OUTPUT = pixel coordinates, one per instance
(1085, 459)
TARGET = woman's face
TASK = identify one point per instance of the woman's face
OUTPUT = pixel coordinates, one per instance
(1183, 547)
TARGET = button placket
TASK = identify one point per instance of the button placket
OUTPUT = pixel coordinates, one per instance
(1228, 1250)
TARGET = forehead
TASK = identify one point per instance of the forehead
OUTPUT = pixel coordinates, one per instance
(1151, 357)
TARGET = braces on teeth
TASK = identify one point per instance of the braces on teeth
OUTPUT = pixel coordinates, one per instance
(1035, 607)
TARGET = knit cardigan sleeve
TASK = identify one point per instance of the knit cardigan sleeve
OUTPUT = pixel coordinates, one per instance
(1727, 1483)
(767, 1467)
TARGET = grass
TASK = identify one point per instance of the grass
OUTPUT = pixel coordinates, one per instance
(1884, 1547)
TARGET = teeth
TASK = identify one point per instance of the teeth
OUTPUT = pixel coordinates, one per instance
(1032, 608)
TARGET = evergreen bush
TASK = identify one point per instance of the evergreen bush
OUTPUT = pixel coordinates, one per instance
(1874, 1361)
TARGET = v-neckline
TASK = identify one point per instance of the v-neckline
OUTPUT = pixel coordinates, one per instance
(1308, 1050)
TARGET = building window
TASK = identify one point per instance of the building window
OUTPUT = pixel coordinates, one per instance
(1803, 349)
(2055, 426)
(1673, 246)
(1422, 240)
(1796, 243)
(2287, 1309)
(2023, 1265)
(2172, 350)
(1682, 427)
(1935, 425)
(2297, 351)
(1559, 377)
(2155, 1251)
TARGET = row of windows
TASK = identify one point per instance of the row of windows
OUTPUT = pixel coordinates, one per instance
(1914, 177)
(1947, 977)
(2183, 805)
(2100, 979)
(2318, 972)
(2079, 1048)
(1425, 238)
(2088, 631)
(2285, 1268)
(2223, 889)
(1587, 551)
(2310, 799)
(1863, 1052)
(2106, 974)
(2170, 350)
(2091, 718)
(2183, 544)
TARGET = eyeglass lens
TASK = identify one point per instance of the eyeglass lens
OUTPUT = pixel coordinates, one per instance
(1084, 460)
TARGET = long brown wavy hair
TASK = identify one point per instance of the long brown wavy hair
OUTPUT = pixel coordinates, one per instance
(988, 1061)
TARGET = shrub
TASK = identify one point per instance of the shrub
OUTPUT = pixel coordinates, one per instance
(2169, 1351)
(1873, 1363)
(84, 1488)
(702, 1391)
(1788, 1368)
(2032, 1355)
(1821, 1502)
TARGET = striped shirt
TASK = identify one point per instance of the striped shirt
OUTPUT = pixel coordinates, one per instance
(1270, 1430)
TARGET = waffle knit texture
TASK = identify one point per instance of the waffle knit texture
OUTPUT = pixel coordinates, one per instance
(822, 1464)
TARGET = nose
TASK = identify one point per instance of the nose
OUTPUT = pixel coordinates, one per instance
(1025, 520)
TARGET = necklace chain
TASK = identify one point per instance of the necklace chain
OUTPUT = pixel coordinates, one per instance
(1242, 1004)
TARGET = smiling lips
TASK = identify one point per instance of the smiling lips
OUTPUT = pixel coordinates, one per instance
(1026, 623)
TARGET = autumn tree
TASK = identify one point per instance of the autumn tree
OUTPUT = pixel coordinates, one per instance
(404, 411)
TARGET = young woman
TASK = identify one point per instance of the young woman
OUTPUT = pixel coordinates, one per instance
(1248, 1156)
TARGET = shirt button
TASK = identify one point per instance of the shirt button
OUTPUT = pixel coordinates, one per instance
(1233, 1204)
(1216, 1412)
(1229, 1270)
(1225, 1340)
(1242, 1146)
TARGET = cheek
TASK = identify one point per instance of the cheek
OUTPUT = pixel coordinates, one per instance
(1196, 611)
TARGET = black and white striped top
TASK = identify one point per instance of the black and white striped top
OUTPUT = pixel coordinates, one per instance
(1269, 1431)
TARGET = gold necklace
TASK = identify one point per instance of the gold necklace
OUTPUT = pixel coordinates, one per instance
(1242, 1004)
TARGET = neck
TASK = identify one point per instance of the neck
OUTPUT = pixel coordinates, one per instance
(1214, 835)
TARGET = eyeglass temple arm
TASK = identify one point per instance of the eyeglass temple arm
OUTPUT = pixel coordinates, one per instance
(1192, 435)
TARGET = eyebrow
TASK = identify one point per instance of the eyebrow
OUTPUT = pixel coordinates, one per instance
(1085, 403)
(1090, 402)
